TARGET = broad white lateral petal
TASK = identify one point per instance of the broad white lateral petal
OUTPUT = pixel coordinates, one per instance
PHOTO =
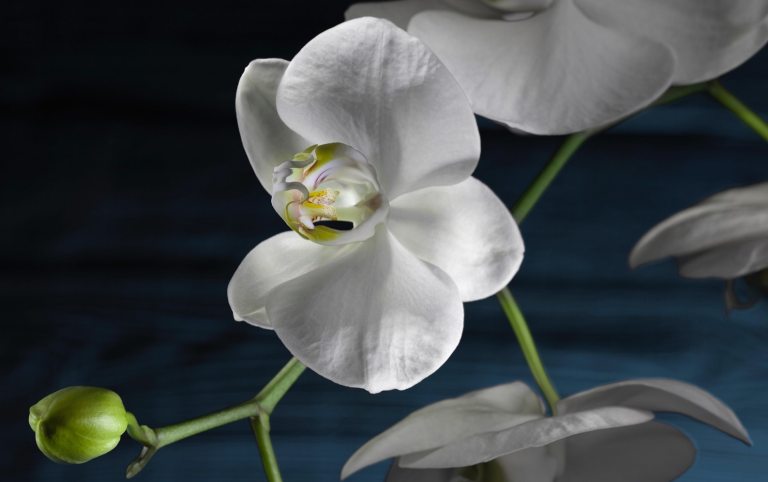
(386, 95)
(376, 318)
(727, 261)
(465, 230)
(537, 433)
(712, 223)
(398, 12)
(271, 263)
(708, 37)
(649, 452)
(660, 395)
(266, 139)
(557, 72)
(450, 420)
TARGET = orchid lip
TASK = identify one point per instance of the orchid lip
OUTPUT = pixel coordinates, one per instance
(329, 194)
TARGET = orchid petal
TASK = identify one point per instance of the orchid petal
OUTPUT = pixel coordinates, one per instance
(271, 263)
(727, 261)
(450, 420)
(649, 452)
(556, 72)
(386, 95)
(660, 395)
(737, 215)
(708, 37)
(466, 219)
(267, 140)
(398, 12)
(536, 433)
(376, 317)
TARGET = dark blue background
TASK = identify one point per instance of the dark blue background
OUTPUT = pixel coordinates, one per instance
(127, 203)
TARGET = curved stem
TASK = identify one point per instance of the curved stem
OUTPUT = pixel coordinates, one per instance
(260, 426)
(730, 102)
(528, 346)
(258, 407)
(540, 184)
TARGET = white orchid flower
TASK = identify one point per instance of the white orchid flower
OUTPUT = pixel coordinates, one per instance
(366, 144)
(724, 236)
(562, 66)
(606, 434)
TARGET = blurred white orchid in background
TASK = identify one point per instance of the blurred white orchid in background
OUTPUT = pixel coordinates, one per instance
(562, 66)
(502, 434)
(724, 236)
(366, 143)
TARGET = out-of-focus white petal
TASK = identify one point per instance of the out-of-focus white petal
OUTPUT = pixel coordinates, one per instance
(376, 317)
(538, 464)
(386, 95)
(727, 261)
(649, 452)
(537, 433)
(450, 420)
(266, 139)
(399, 474)
(272, 262)
(465, 230)
(708, 37)
(737, 215)
(660, 395)
(555, 73)
(398, 12)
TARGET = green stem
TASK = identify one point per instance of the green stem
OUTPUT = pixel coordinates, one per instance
(678, 92)
(260, 426)
(261, 405)
(730, 102)
(534, 191)
(528, 346)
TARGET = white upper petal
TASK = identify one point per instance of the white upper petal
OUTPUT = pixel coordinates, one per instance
(375, 317)
(266, 139)
(727, 219)
(398, 12)
(708, 37)
(660, 395)
(463, 229)
(372, 86)
(557, 72)
(450, 420)
(649, 452)
(536, 433)
(271, 263)
(727, 261)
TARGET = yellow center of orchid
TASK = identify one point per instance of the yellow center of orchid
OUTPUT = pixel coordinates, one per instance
(329, 194)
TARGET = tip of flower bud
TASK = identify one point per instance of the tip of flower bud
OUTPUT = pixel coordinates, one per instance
(77, 424)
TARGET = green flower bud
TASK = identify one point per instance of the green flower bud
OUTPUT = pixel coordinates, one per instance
(77, 424)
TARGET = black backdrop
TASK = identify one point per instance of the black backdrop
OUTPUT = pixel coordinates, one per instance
(127, 202)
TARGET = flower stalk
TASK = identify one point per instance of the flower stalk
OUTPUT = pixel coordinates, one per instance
(259, 407)
(732, 103)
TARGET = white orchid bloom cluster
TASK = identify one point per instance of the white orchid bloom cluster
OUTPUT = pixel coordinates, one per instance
(367, 144)
(605, 434)
(562, 66)
(725, 236)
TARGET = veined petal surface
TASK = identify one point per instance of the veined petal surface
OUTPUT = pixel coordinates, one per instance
(266, 139)
(376, 317)
(660, 395)
(450, 420)
(648, 452)
(556, 72)
(386, 95)
(271, 263)
(465, 230)
(708, 37)
(536, 433)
